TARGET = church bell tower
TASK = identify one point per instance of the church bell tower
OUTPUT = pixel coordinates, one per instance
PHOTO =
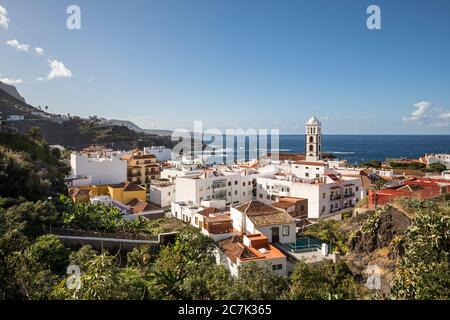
(313, 143)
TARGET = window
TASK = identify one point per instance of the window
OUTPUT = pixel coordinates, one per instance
(229, 194)
(357, 189)
(285, 231)
(268, 197)
(317, 175)
(229, 183)
(235, 183)
(311, 147)
(306, 174)
(243, 194)
(260, 195)
(235, 193)
(277, 267)
(323, 195)
(323, 209)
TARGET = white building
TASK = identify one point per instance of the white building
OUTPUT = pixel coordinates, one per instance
(15, 117)
(100, 169)
(161, 153)
(442, 158)
(236, 251)
(233, 187)
(326, 195)
(162, 193)
(446, 174)
(255, 217)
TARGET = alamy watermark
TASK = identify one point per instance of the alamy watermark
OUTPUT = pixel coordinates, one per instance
(73, 21)
(374, 20)
(374, 279)
(74, 280)
(225, 146)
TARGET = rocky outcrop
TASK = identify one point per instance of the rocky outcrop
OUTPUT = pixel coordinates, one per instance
(391, 223)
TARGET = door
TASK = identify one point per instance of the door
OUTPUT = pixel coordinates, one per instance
(275, 234)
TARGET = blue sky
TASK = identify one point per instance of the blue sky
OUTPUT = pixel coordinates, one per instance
(236, 64)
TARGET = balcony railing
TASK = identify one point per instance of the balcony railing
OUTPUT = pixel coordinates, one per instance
(335, 197)
(349, 194)
(134, 173)
(335, 210)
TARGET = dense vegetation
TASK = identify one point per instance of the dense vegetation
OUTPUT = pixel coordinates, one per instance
(434, 167)
(29, 168)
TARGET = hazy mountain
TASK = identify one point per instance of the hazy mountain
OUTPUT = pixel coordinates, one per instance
(11, 90)
(132, 126)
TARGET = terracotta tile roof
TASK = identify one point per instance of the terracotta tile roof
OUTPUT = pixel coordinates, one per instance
(138, 206)
(74, 192)
(415, 173)
(311, 163)
(233, 248)
(207, 211)
(264, 215)
(333, 177)
(219, 218)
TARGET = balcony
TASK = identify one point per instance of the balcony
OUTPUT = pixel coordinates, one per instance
(222, 195)
(335, 210)
(349, 194)
(335, 197)
(134, 173)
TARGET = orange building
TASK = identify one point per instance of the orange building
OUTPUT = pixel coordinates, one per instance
(142, 168)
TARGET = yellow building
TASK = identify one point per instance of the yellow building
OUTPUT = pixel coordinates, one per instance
(142, 168)
(126, 191)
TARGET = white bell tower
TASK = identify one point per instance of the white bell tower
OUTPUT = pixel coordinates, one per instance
(313, 143)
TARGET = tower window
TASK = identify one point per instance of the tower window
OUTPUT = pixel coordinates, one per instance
(311, 139)
(311, 148)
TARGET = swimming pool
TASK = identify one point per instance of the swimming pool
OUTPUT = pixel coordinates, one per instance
(307, 244)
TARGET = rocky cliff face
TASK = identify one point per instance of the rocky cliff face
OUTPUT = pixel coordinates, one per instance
(11, 90)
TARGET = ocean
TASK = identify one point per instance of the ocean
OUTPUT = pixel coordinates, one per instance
(358, 148)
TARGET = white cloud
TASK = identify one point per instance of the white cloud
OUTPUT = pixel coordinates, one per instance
(39, 51)
(3, 17)
(11, 81)
(58, 70)
(40, 79)
(445, 115)
(420, 113)
(17, 45)
(429, 114)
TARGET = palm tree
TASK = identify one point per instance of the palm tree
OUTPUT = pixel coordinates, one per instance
(46, 108)
(35, 133)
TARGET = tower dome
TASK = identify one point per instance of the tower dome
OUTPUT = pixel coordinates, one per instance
(313, 122)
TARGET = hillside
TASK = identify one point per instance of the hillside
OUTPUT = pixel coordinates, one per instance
(11, 90)
(75, 132)
(133, 126)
